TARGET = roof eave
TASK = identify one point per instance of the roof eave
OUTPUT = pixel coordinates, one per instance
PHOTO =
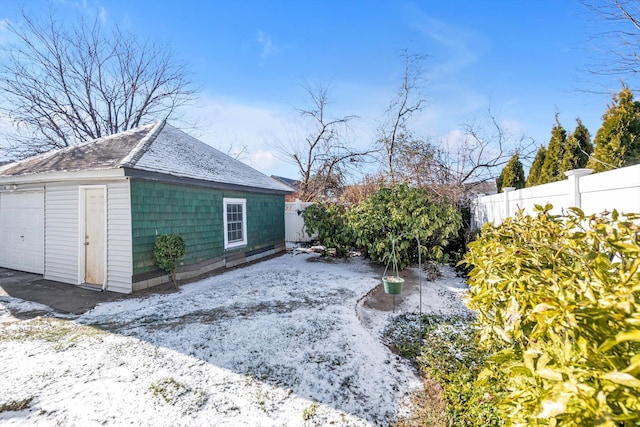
(91, 175)
(172, 179)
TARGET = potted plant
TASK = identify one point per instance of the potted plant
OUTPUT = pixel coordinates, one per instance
(392, 284)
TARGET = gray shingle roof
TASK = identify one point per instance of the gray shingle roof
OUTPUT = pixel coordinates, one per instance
(157, 148)
(98, 154)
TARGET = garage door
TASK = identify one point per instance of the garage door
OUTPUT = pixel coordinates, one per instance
(22, 231)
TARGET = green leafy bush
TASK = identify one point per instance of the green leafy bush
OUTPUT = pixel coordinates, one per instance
(403, 212)
(167, 252)
(558, 305)
(328, 220)
(449, 355)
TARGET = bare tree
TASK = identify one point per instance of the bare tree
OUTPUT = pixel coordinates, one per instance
(62, 86)
(456, 166)
(324, 156)
(402, 107)
(620, 42)
(478, 156)
(419, 162)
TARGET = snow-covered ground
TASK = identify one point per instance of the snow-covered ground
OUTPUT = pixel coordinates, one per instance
(287, 341)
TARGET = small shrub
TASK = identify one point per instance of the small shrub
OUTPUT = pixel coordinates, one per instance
(457, 247)
(558, 300)
(167, 252)
(450, 356)
(328, 220)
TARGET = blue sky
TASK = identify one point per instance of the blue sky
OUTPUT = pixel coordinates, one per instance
(523, 59)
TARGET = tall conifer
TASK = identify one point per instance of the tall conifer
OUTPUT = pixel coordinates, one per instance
(512, 175)
(577, 149)
(550, 171)
(617, 142)
(536, 167)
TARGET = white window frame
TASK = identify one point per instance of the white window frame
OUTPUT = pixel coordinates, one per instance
(232, 201)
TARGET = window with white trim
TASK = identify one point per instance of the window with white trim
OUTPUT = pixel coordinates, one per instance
(235, 222)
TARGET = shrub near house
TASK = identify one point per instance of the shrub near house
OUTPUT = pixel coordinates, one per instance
(559, 307)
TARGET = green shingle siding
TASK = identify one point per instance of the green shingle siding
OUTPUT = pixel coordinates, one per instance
(196, 214)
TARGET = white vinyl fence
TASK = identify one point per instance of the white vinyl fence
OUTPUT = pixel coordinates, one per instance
(617, 189)
(294, 230)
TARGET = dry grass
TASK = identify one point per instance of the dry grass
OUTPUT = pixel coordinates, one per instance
(428, 407)
(16, 405)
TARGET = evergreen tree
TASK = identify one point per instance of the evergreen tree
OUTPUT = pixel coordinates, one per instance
(577, 149)
(550, 171)
(512, 175)
(617, 142)
(536, 167)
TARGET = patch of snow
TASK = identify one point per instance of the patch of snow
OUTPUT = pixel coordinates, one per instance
(274, 343)
(10, 306)
(443, 296)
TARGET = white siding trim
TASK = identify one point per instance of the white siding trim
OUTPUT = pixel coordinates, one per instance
(119, 255)
(61, 233)
(77, 177)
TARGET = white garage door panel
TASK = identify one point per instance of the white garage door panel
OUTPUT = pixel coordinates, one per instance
(22, 231)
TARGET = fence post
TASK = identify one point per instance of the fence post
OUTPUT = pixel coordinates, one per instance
(506, 191)
(575, 199)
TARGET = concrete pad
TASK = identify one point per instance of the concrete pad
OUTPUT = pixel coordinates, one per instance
(62, 297)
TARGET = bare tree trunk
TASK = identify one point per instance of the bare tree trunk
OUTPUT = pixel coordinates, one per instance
(174, 279)
(401, 109)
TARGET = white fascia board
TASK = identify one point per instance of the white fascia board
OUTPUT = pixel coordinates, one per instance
(98, 175)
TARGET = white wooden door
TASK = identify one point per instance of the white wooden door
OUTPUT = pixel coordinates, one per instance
(22, 231)
(94, 235)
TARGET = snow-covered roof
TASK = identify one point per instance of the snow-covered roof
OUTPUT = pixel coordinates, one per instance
(293, 183)
(98, 154)
(157, 148)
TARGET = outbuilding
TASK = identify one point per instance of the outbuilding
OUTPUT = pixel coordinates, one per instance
(89, 214)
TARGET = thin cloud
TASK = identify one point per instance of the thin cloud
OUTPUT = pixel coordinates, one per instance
(83, 6)
(463, 48)
(236, 124)
(4, 31)
(268, 48)
(102, 15)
